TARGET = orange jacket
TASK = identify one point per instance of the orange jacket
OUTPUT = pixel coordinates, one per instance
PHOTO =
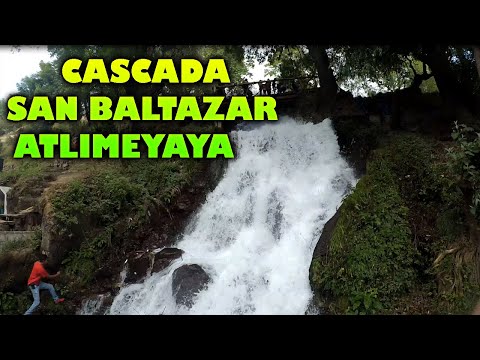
(37, 274)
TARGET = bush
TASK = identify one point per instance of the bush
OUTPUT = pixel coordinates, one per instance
(403, 228)
(98, 200)
(26, 174)
(104, 207)
(14, 304)
(162, 179)
(465, 163)
(83, 263)
(426, 185)
(357, 133)
(101, 201)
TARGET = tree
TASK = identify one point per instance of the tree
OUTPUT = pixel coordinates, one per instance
(476, 51)
(324, 71)
(44, 82)
(318, 60)
(291, 62)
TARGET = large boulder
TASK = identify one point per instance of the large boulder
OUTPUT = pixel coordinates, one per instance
(138, 267)
(15, 268)
(55, 244)
(164, 258)
(187, 281)
(316, 305)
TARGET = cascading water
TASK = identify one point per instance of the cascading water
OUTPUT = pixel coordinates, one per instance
(257, 230)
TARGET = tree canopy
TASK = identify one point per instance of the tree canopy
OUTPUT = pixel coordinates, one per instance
(451, 70)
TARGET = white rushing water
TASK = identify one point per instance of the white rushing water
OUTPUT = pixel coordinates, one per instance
(257, 230)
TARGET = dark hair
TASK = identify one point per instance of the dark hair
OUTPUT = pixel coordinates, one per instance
(43, 257)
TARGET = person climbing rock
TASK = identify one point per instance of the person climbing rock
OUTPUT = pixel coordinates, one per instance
(36, 284)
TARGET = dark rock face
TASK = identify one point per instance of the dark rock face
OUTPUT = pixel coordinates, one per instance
(164, 258)
(137, 268)
(15, 268)
(140, 265)
(321, 249)
(357, 137)
(29, 221)
(187, 281)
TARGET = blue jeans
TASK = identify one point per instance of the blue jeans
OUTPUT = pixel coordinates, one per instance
(35, 289)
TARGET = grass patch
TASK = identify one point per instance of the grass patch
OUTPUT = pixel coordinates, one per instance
(26, 173)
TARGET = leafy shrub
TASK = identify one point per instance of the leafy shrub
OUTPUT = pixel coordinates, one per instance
(465, 162)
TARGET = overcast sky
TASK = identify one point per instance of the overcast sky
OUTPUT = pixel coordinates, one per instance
(14, 66)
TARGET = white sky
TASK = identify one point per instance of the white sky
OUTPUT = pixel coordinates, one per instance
(15, 65)
(258, 72)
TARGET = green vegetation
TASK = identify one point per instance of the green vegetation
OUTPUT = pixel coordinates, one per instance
(17, 304)
(371, 255)
(12, 259)
(357, 133)
(401, 236)
(98, 207)
(13, 304)
(110, 204)
(465, 162)
(26, 173)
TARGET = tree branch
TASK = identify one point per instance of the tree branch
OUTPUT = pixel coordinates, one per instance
(281, 53)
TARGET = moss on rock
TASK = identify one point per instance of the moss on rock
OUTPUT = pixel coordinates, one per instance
(400, 244)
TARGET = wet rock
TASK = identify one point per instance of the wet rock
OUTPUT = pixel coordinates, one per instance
(321, 249)
(323, 244)
(138, 267)
(164, 258)
(187, 281)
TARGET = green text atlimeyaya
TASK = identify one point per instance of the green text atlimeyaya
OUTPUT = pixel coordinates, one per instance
(126, 146)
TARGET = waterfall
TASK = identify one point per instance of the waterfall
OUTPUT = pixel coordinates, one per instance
(256, 232)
